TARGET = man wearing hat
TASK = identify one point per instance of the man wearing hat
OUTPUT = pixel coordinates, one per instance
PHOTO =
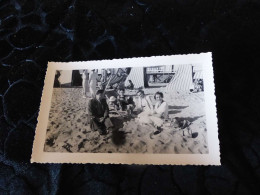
(99, 114)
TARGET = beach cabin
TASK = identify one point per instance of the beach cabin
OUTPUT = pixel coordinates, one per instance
(143, 77)
(173, 77)
(73, 78)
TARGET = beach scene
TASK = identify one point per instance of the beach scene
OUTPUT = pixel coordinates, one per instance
(182, 131)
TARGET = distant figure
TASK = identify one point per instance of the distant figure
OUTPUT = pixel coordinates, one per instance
(130, 85)
(93, 83)
(56, 79)
(104, 75)
(85, 83)
(99, 114)
(108, 73)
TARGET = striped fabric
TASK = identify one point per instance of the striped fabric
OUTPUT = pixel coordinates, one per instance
(182, 80)
(115, 78)
(198, 75)
(136, 76)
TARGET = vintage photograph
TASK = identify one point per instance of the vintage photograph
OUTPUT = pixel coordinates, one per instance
(151, 109)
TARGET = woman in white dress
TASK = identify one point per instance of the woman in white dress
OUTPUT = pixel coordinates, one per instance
(85, 84)
(93, 83)
(156, 115)
(160, 112)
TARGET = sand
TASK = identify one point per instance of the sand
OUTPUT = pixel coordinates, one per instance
(68, 130)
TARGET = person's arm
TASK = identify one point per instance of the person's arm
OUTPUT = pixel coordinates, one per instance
(106, 113)
(163, 111)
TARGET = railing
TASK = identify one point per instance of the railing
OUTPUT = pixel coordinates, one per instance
(160, 71)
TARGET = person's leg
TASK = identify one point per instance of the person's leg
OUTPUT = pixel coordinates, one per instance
(130, 109)
(92, 91)
(144, 118)
(97, 126)
(108, 123)
(158, 122)
(84, 88)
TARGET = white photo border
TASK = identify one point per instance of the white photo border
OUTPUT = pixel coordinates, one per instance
(212, 158)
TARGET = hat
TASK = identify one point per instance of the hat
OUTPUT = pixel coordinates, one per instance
(112, 99)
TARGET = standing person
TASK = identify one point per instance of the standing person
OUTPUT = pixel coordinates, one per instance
(104, 75)
(93, 83)
(85, 83)
(99, 114)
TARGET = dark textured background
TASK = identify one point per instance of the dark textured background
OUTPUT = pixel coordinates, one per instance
(34, 32)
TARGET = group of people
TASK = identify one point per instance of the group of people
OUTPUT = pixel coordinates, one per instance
(98, 106)
(122, 102)
(98, 110)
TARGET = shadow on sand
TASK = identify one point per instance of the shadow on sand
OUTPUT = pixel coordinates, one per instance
(118, 137)
(174, 111)
(190, 119)
(177, 107)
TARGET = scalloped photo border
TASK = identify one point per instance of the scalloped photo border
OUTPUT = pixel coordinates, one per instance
(211, 158)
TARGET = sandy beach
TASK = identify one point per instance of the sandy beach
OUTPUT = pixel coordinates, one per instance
(68, 129)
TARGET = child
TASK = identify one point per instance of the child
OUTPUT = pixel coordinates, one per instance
(113, 103)
(125, 103)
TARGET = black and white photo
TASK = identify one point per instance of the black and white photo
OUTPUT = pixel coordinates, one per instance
(139, 107)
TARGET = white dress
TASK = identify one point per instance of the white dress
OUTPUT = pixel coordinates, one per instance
(148, 118)
(93, 83)
(162, 110)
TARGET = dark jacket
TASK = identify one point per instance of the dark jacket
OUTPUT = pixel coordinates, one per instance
(98, 109)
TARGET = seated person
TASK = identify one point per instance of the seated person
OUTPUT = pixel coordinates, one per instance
(143, 103)
(125, 103)
(130, 85)
(98, 112)
(156, 115)
(160, 112)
